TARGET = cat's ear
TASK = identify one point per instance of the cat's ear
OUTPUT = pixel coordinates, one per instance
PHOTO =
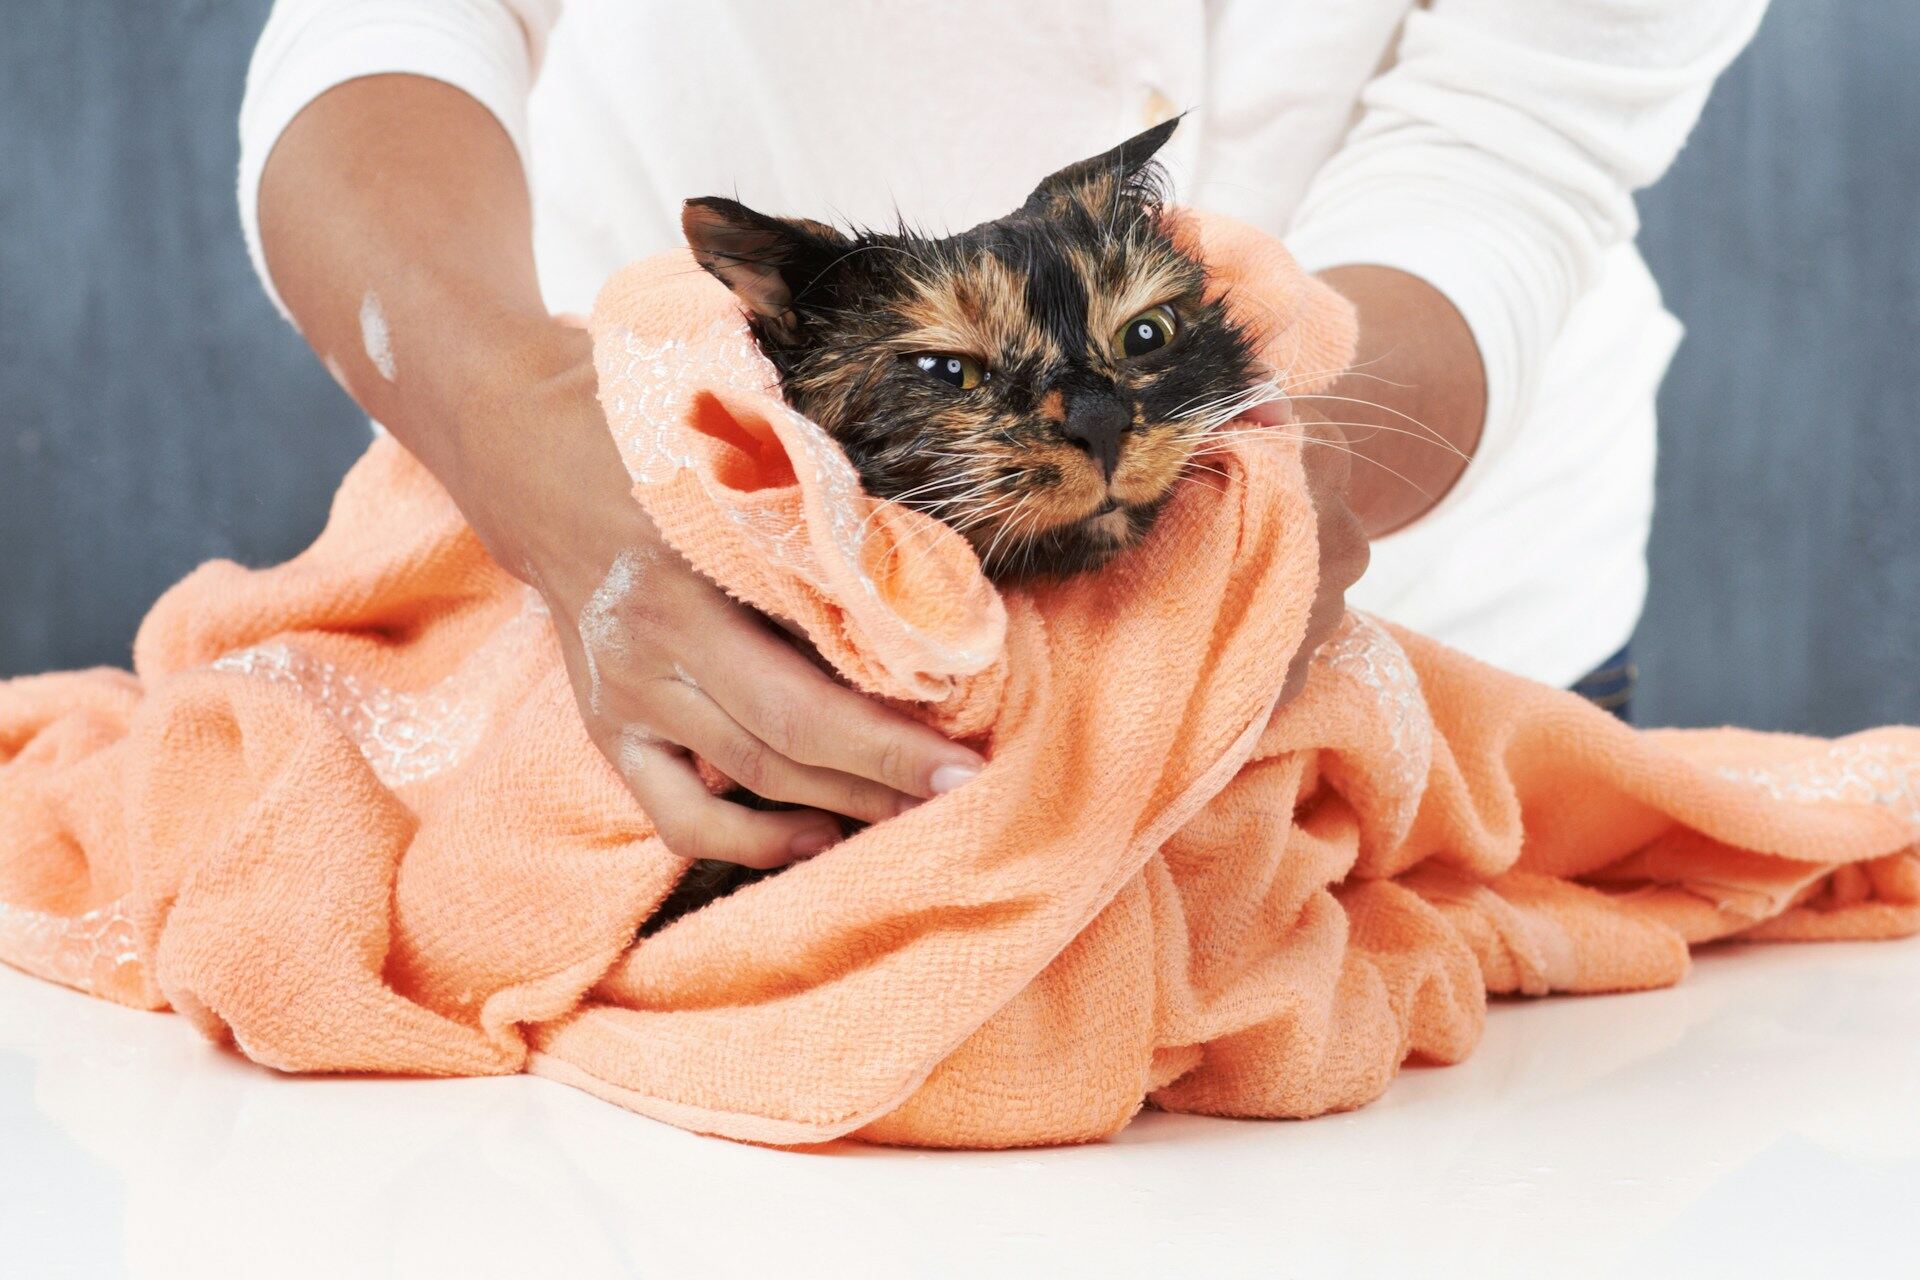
(769, 263)
(1094, 182)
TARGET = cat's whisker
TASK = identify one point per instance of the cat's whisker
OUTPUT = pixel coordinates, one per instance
(1212, 471)
(1290, 379)
(939, 481)
(1369, 427)
(1021, 518)
(1271, 385)
(1032, 550)
(1225, 408)
(972, 519)
(1222, 440)
(1207, 403)
(934, 505)
(1015, 535)
(973, 483)
(1357, 371)
(1033, 543)
(987, 556)
(973, 515)
(1423, 428)
(1255, 428)
(1262, 436)
(1360, 371)
(1252, 400)
(981, 528)
(995, 503)
(925, 536)
(983, 515)
(908, 498)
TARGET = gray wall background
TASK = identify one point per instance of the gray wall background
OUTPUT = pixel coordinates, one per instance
(154, 412)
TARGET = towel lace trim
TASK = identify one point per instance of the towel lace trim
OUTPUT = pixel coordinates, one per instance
(1858, 773)
(406, 736)
(648, 388)
(1365, 652)
(97, 951)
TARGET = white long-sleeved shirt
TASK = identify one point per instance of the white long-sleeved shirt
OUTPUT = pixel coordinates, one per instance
(1490, 147)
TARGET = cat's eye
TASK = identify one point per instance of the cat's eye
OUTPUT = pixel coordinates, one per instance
(963, 372)
(1147, 332)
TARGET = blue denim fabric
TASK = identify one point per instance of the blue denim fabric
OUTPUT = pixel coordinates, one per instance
(1610, 685)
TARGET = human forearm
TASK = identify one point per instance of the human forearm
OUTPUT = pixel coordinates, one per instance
(1495, 157)
(1414, 405)
(394, 222)
(405, 256)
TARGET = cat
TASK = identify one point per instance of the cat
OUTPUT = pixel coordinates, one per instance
(1039, 383)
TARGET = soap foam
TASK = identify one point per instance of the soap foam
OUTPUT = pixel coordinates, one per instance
(601, 635)
(630, 751)
(374, 336)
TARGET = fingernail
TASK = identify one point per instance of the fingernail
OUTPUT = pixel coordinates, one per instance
(808, 843)
(949, 777)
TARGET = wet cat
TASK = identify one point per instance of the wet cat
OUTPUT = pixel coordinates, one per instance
(1039, 383)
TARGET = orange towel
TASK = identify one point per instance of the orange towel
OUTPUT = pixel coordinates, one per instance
(345, 814)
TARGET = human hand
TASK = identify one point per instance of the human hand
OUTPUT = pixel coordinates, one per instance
(1344, 553)
(663, 664)
(409, 182)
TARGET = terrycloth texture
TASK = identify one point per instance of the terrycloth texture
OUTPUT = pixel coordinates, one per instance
(345, 813)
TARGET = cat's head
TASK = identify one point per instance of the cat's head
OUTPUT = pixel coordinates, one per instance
(1039, 382)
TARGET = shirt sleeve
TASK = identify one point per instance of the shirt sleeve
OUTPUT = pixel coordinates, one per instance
(490, 49)
(1497, 156)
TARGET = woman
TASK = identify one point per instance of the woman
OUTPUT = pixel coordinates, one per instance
(425, 182)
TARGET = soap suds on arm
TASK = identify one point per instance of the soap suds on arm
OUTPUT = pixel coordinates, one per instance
(374, 335)
(601, 634)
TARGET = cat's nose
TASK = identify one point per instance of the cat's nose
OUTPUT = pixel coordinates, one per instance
(1097, 424)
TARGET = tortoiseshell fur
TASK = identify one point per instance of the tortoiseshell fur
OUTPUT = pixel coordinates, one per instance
(1036, 297)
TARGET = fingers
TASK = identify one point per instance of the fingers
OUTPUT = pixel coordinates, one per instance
(1327, 458)
(1327, 462)
(680, 667)
(800, 713)
(1325, 454)
(689, 717)
(696, 824)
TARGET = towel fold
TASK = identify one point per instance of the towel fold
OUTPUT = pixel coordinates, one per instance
(344, 812)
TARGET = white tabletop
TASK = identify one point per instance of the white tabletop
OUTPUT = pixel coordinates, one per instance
(1761, 1119)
